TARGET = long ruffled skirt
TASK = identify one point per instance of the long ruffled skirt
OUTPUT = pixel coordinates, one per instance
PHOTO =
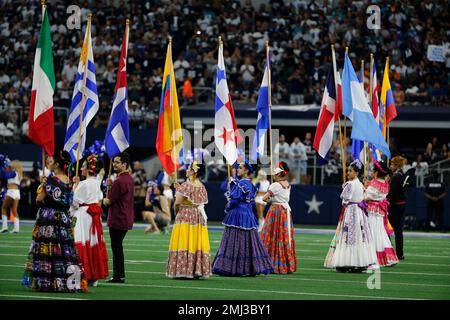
(90, 246)
(189, 248)
(241, 253)
(53, 263)
(385, 252)
(275, 238)
(352, 245)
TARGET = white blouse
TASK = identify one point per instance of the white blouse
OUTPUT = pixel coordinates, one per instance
(279, 194)
(88, 191)
(353, 191)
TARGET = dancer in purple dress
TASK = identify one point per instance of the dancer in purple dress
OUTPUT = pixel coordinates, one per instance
(241, 252)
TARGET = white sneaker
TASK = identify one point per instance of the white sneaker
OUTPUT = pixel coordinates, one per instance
(14, 231)
(4, 230)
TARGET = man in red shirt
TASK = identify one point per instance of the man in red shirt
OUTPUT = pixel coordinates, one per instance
(120, 201)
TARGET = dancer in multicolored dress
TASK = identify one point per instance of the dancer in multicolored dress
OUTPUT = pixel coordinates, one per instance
(241, 252)
(352, 248)
(375, 196)
(189, 248)
(53, 261)
(87, 213)
(278, 231)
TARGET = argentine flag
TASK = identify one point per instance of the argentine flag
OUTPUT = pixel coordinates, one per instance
(263, 108)
(357, 109)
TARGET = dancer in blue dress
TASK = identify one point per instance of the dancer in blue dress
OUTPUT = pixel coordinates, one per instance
(241, 252)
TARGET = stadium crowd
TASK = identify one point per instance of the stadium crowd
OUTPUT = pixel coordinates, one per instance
(300, 34)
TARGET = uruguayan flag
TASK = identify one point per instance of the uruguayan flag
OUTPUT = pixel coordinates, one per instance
(90, 100)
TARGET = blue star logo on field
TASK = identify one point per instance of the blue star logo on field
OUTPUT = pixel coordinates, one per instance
(314, 205)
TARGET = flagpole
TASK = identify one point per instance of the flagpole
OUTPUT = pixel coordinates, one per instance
(269, 87)
(345, 136)
(385, 109)
(339, 115)
(83, 90)
(228, 165)
(371, 87)
(43, 150)
(174, 160)
(365, 143)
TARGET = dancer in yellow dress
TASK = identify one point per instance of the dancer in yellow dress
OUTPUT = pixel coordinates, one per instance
(189, 249)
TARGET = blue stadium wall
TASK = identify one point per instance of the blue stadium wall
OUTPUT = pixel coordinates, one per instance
(330, 208)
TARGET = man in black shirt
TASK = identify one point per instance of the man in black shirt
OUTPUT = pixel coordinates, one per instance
(435, 193)
(397, 203)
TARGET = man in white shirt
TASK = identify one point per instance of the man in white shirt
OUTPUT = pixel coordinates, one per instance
(298, 159)
(281, 150)
(180, 66)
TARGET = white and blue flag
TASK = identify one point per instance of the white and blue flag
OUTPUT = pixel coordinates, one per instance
(357, 109)
(91, 104)
(263, 108)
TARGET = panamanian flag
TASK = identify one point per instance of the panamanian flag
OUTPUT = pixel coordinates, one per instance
(226, 135)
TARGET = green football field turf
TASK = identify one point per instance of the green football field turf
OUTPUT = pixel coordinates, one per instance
(425, 274)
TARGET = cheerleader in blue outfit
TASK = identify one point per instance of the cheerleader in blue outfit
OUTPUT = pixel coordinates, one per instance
(241, 252)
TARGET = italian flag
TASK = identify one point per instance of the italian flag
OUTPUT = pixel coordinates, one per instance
(41, 123)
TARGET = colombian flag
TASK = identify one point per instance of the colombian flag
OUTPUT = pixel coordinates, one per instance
(169, 139)
(387, 98)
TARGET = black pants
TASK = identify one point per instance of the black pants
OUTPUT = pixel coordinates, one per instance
(436, 210)
(397, 219)
(117, 237)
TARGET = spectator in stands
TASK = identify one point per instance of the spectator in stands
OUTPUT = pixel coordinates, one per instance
(444, 153)
(435, 193)
(296, 87)
(140, 186)
(281, 149)
(399, 95)
(429, 156)
(420, 165)
(298, 159)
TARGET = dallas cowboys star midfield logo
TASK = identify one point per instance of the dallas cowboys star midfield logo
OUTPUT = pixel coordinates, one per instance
(314, 205)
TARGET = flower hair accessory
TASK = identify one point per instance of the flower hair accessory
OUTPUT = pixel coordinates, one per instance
(194, 166)
(357, 163)
(279, 169)
(92, 163)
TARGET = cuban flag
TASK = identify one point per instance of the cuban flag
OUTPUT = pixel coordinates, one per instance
(91, 104)
(117, 137)
(263, 108)
(226, 136)
(323, 138)
(357, 109)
